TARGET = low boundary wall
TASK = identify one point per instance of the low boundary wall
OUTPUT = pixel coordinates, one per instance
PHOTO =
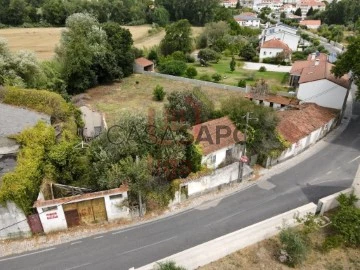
(220, 247)
(330, 202)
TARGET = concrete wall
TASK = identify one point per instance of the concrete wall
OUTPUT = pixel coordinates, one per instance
(10, 214)
(220, 247)
(322, 92)
(196, 82)
(52, 219)
(327, 203)
(219, 177)
(221, 156)
(114, 208)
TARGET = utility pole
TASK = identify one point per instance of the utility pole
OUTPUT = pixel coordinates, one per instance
(241, 162)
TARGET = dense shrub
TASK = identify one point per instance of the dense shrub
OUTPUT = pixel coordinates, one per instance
(205, 77)
(172, 67)
(216, 77)
(191, 72)
(294, 245)
(242, 83)
(262, 69)
(159, 93)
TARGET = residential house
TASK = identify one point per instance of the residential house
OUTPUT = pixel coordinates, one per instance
(219, 140)
(247, 19)
(283, 33)
(305, 5)
(293, 17)
(229, 3)
(302, 128)
(311, 24)
(273, 101)
(93, 122)
(13, 121)
(274, 5)
(288, 8)
(142, 64)
(316, 83)
(62, 213)
(274, 47)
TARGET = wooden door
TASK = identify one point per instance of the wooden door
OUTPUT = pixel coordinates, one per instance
(99, 209)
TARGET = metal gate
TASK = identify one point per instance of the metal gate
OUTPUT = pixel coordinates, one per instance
(35, 223)
(71, 215)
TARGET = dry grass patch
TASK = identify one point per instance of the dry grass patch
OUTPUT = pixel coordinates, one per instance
(130, 96)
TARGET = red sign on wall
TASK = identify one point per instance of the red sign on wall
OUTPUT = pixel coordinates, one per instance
(51, 215)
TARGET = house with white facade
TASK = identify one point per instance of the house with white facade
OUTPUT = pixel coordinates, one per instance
(316, 83)
(220, 141)
(229, 3)
(93, 122)
(274, 47)
(248, 19)
(305, 5)
(311, 24)
(274, 5)
(62, 213)
(303, 127)
(284, 33)
(288, 8)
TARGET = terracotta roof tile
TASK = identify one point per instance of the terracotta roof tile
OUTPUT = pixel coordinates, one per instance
(82, 197)
(208, 134)
(275, 43)
(297, 124)
(142, 61)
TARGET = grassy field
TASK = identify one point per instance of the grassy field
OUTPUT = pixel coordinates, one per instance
(44, 40)
(276, 80)
(263, 255)
(129, 96)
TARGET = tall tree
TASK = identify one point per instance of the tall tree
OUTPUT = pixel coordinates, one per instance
(54, 12)
(232, 64)
(177, 38)
(298, 12)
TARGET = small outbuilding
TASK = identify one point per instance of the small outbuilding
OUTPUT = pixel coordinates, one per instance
(142, 64)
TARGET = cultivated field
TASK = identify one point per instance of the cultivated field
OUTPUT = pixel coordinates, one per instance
(44, 40)
(135, 94)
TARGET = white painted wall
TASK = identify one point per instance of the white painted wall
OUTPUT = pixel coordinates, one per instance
(10, 214)
(219, 177)
(250, 23)
(52, 220)
(220, 156)
(114, 209)
(269, 52)
(220, 247)
(291, 40)
(322, 92)
(330, 202)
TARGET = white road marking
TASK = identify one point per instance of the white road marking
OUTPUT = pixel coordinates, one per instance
(74, 243)
(328, 172)
(354, 159)
(78, 266)
(153, 244)
(97, 237)
(24, 255)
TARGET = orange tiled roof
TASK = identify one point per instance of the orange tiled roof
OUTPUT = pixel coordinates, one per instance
(297, 124)
(82, 197)
(275, 43)
(310, 22)
(211, 128)
(142, 61)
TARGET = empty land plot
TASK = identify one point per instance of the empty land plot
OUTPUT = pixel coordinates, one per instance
(135, 94)
(43, 41)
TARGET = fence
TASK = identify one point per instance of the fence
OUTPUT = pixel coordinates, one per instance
(220, 247)
(196, 82)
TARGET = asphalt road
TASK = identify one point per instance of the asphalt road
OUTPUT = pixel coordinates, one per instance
(328, 171)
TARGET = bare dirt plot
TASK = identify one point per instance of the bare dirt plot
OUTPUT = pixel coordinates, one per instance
(129, 96)
(40, 40)
(43, 41)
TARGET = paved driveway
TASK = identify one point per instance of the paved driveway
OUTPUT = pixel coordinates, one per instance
(269, 67)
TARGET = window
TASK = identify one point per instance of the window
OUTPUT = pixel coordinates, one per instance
(264, 52)
(49, 208)
(115, 197)
(270, 53)
(213, 159)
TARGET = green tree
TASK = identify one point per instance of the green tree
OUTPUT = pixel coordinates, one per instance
(177, 38)
(153, 56)
(232, 64)
(160, 16)
(159, 93)
(349, 61)
(172, 67)
(298, 12)
(54, 12)
(207, 55)
(216, 77)
(17, 12)
(247, 52)
(310, 12)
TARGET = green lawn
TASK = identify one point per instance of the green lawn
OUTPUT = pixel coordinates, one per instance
(276, 80)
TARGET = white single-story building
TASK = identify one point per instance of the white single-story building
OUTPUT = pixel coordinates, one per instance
(247, 19)
(93, 122)
(273, 47)
(316, 83)
(62, 213)
(219, 140)
(302, 128)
